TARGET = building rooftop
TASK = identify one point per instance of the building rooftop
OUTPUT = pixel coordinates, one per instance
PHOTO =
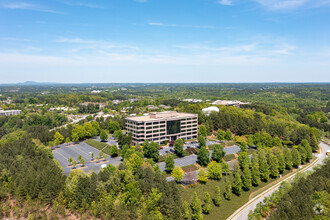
(155, 116)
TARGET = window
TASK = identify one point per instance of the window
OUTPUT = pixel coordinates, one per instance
(173, 127)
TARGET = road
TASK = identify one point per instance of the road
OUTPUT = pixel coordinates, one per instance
(243, 212)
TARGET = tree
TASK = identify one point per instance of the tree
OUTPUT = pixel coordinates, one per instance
(308, 149)
(288, 159)
(185, 213)
(217, 196)
(152, 151)
(103, 135)
(79, 158)
(88, 129)
(96, 129)
(280, 159)
(296, 158)
(225, 168)
(67, 140)
(134, 161)
(202, 175)
(221, 135)
(203, 156)
(177, 174)
(246, 178)
(178, 147)
(237, 188)
(82, 161)
(74, 163)
(263, 165)
(243, 146)
(202, 131)
(303, 153)
(214, 170)
(92, 156)
(218, 153)
(202, 141)
(70, 160)
(169, 161)
(228, 189)
(255, 173)
(244, 160)
(273, 164)
(113, 126)
(314, 143)
(196, 208)
(228, 135)
(58, 138)
(113, 151)
(207, 203)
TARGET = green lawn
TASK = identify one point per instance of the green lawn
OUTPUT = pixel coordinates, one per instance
(227, 207)
(99, 145)
(229, 157)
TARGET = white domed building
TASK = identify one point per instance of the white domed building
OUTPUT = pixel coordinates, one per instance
(208, 110)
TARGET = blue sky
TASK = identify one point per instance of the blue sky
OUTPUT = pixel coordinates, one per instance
(165, 41)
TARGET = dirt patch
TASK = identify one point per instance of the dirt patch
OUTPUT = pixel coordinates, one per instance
(189, 168)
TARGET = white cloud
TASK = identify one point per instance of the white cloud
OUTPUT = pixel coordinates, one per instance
(28, 6)
(225, 2)
(181, 26)
(292, 4)
(93, 44)
(82, 4)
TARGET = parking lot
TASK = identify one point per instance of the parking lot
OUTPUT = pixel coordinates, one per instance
(64, 151)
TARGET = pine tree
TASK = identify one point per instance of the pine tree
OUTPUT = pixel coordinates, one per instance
(273, 164)
(237, 188)
(207, 203)
(263, 165)
(221, 135)
(281, 160)
(196, 208)
(313, 142)
(246, 178)
(169, 162)
(296, 158)
(185, 213)
(303, 154)
(228, 135)
(217, 196)
(202, 175)
(203, 156)
(255, 173)
(288, 159)
(308, 149)
(228, 190)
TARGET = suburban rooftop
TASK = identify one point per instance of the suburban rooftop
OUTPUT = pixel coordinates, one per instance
(156, 116)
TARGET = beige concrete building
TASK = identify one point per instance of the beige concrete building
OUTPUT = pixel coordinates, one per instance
(10, 112)
(162, 126)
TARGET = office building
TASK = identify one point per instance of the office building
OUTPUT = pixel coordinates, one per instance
(162, 126)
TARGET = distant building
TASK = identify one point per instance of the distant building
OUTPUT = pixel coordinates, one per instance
(96, 91)
(208, 110)
(192, 100)
(10, 112)
(229, 103)
(116, 102)
(152, 107)
(101, 105)
(162, 126)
